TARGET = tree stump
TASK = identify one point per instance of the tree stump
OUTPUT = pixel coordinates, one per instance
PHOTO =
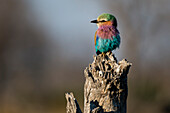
(105, 88)
(72, 105)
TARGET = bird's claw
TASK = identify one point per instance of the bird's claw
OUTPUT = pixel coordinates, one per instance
(110, 52)
(103, 54)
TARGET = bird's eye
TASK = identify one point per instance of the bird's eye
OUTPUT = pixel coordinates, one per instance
(103, 21)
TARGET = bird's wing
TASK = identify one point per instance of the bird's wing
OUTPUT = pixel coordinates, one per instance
(95, 37)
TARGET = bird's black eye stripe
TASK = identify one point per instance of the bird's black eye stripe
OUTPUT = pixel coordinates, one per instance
(102, 21)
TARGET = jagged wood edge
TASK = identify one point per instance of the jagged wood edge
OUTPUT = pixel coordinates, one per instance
(72, 104)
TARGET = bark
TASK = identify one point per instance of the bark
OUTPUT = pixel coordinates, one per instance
(105, 88)
(72, 105)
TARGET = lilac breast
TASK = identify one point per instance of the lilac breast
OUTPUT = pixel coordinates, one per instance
(107, 32)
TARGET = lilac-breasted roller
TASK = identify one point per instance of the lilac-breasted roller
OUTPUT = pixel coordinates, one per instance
(107, 36)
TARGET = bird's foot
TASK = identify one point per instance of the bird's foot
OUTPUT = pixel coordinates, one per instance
(103, 54)
(110, 52)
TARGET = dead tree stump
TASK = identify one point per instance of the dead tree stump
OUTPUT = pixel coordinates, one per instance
(72, 105)
(105, 88)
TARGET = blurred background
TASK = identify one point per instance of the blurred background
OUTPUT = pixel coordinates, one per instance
(46, 44)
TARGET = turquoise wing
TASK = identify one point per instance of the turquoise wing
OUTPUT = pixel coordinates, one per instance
(115, 42)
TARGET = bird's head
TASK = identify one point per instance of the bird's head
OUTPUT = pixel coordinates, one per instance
(105, 19)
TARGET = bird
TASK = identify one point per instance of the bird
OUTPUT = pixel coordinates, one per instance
(107, 36)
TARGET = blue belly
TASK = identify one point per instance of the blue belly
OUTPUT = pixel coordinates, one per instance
(105, 45)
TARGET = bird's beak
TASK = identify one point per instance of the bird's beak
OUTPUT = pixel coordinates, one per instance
(94, 21)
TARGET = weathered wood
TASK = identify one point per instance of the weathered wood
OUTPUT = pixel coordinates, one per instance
(105, 88)
(72, 105)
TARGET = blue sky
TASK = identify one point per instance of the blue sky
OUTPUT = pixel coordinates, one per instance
(68, 23)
